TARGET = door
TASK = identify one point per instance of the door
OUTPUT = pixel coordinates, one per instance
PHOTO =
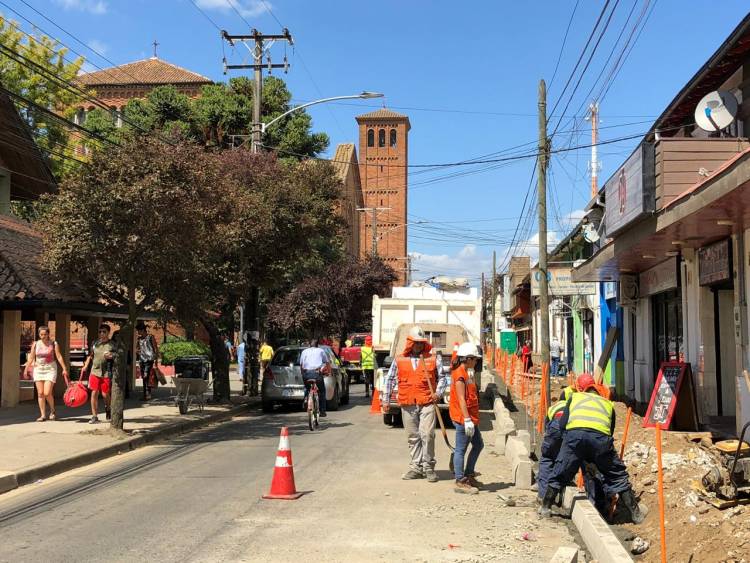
(725, 351)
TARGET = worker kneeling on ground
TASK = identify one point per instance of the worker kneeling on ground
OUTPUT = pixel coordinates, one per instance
(464, 411)
(416, 372)
(588, 420)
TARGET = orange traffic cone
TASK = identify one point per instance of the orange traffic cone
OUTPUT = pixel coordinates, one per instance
(375, 405)
(282, 485)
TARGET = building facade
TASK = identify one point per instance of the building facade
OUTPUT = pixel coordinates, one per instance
(347, 169)
(384, 151)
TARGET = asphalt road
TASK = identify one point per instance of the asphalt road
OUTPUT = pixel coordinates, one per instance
(198, 498)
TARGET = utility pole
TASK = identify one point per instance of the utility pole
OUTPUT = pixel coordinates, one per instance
(374, 224)
(594, 164)
(494, 300)
(258, 40)
(542, 163)
(482, 293)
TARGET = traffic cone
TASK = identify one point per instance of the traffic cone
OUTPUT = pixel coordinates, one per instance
(282, 485)
(375, 405)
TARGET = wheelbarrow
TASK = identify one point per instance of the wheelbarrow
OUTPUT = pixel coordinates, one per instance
(191, 381)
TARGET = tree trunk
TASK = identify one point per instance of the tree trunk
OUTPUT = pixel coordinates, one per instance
(117, 401)
(219, 362)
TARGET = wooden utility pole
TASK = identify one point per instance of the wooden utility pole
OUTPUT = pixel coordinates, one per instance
(253, 303)
(542, 163)
(494, 300)
(594, 164)
(482, 337)
(374, 224)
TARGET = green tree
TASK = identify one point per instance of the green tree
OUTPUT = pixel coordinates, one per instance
(43, 82)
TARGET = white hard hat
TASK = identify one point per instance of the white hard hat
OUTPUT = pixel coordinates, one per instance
(468, 350)
(417, 334)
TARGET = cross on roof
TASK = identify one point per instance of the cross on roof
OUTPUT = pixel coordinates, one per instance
(155, 44)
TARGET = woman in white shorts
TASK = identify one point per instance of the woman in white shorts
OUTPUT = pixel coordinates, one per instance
(43, 360)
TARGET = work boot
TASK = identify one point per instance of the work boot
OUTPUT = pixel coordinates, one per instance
(412, 474)
(545, 511)
(637, 512)
(431, 475)
(465, 487)
(473, 481)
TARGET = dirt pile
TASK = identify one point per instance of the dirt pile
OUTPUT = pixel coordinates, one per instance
(693, 527)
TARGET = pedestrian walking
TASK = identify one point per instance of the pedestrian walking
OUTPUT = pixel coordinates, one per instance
(368, 363)
(313, 362)
(266, 355)
(230, 348)
(42, 362)
(100, 364)
(147, 352)
(416, 372)
(464, 412)
(554, 357)
(241, 356)
(526, 356)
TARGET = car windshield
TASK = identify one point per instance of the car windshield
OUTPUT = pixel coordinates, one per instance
(358, 341)
(286, 356)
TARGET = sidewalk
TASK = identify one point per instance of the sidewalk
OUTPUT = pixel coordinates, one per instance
(36, 450)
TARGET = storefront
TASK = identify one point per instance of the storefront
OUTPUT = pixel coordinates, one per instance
(661, 286)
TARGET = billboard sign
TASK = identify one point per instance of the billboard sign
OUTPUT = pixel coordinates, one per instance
(630, 192)
(561, 283)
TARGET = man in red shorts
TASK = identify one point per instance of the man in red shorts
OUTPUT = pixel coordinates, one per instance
(101, 359)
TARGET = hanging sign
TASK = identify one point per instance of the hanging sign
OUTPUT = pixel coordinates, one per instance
(661, 277)
(630, 192)
(673, 397)
(560, 283)
(715, 263)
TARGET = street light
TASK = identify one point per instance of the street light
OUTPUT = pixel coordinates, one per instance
(362, 96)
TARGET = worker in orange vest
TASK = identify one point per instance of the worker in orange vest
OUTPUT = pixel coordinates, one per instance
(416, 372)
(464, 411)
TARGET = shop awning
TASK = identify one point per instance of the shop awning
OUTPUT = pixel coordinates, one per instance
(712, 209)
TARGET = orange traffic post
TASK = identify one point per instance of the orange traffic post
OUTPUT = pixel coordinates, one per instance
(625, 432)
(660, 473)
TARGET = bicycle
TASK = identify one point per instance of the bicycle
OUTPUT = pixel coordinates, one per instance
(313, 405)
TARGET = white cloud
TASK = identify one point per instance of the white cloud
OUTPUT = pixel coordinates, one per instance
(573, 218)
(97, 7)
(466, 263)
(248, 8)
(530, 247)
(98, 46)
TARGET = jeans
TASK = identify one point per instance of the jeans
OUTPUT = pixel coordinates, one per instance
(367, 375)
(554, 366)
(146, 375)
(318, 377)
(462, 443)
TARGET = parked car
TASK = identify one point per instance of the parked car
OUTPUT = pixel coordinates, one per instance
(282, 381)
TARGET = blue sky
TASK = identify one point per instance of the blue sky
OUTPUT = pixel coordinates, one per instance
(467, 72)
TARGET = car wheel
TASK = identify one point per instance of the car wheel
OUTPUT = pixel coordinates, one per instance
(388, 419)
(333, 404)
(267, 406)
(345, 395)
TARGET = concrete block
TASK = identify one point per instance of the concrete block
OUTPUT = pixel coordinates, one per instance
(599, 539)
(525, 438)
(565, 555)
(515, 449)
(522, 474)
(571, 495)
(8, 481)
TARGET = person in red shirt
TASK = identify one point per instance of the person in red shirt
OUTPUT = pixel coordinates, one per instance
(526, 356)
(464, 412)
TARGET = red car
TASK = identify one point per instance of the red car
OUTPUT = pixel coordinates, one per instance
(351, 356)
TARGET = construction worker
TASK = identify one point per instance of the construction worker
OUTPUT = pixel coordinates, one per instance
(588, 420)
(464, 412)
(416, 372)
(552, 441)
(367, 361)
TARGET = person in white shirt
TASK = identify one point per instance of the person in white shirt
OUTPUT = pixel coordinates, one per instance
(312, 363)
(554, 356)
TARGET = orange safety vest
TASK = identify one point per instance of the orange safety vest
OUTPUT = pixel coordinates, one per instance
(413, 388)
(472, 398)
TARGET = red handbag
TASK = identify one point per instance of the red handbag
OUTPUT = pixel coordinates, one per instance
(76, 395)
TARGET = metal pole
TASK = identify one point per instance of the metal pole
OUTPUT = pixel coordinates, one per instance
(374, 231)
(257, 94)
(494, 300)
(542, 197)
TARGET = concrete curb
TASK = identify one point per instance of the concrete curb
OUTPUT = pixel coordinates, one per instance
(514, 444)
(49, 469)
(8, 481)
(597, 535)
(565, 555)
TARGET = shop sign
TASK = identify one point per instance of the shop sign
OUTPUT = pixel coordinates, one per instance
(715, 263)
(661, 277)
(630, 192)
(560, 283)
(610, 290)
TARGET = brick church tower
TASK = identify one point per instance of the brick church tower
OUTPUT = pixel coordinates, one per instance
(383, 152)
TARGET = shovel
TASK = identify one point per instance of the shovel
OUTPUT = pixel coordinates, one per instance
(439, 416)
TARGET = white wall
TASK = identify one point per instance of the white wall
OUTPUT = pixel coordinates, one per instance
(643, 362)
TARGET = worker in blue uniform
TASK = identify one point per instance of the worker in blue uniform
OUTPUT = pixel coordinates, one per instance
(587, 423)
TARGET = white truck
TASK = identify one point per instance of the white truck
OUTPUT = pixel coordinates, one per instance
(427, 305)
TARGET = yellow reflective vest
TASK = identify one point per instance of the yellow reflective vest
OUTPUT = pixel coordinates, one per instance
(367, 357)
(556, 408)
(568, 391)
(590, 411)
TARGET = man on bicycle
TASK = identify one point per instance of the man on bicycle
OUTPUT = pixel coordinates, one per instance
(314, 362)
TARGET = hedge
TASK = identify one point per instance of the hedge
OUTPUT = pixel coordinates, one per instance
(176, 348)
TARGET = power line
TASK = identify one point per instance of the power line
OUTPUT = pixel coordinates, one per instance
(562, 47)
(205, 15)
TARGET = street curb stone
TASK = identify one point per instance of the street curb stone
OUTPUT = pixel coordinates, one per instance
(565, 555)
(49, 469)
(597, 535)
(8, 481)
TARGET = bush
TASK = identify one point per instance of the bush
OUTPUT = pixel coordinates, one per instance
(175, 348)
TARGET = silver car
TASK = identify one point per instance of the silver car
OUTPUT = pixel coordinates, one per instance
(282, 381)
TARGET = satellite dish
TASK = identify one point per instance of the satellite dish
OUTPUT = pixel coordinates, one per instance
(716, 110)
(590, 233)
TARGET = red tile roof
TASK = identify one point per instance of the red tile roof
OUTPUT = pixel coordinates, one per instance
(146, 71)
(382, 113)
